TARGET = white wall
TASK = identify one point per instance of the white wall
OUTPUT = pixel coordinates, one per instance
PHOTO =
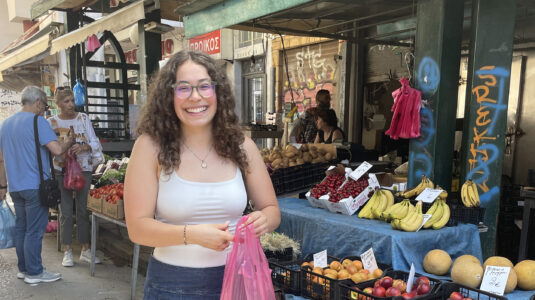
(19, 10)
(8, 31)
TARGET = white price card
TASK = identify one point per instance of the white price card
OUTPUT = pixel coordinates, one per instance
(373, 180)
(428, 195)
(330, 168)
(495, 279)
(360, 170)
(426, 218)
(296, 145)
(410, 281)
(320, 259)
(368, 260)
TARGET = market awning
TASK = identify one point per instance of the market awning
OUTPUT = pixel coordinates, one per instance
(112, 22)
(26, 52)
(42, 6)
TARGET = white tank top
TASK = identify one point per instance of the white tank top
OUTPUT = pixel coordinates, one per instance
(182, 202)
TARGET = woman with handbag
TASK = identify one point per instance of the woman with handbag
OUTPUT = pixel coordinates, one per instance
(68, 121)
(189, 177)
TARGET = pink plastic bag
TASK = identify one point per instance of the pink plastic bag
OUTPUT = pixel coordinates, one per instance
(247, 274)
(73, 178)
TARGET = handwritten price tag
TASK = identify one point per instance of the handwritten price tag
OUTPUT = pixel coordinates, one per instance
(410, 281)
(495, 279)
(320, 259)
(428, 195)
(426, 218)
(368, 260)
(361, 170)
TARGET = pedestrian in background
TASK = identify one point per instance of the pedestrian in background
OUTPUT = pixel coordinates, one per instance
(18, 163)
(305, 130)
(190, 175)
(86, 142)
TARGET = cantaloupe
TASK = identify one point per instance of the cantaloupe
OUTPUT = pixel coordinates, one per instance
(467, 270)
(525, 271)
(500, 261)
(437, 262)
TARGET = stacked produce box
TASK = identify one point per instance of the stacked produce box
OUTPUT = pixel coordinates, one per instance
(107, 195)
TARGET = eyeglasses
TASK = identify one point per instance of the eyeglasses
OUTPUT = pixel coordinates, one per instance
(45, 105)
(183, 90)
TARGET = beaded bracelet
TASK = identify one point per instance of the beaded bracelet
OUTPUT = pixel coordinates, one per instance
(185, 226)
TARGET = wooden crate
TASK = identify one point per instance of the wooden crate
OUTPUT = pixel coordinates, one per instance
(115, 211)
(94, 204)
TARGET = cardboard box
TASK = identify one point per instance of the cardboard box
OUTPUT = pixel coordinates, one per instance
(392, 182)
(115, 211)
(94, 204)
(349, 206)
(315, 202)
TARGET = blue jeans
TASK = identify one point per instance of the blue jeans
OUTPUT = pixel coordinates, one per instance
(30, 226)
(166, 282)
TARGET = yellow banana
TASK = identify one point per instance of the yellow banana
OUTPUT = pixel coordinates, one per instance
(365, 212)
(443, 194)
(413, 223)
(385, 215)
(416, 190)
(474, 195)
(402, 211)
(382, 206)
(429, 184)
(464, 194)
(390, 197)
(444, 218)
(436, 214)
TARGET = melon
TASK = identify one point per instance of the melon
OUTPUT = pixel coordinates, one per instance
(467, 271)
(525, 271)
(500, 261)
(437, 262)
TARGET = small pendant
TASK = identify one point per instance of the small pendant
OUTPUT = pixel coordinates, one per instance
(203, 164)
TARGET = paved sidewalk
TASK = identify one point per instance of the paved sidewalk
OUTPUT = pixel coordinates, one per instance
(110, 282)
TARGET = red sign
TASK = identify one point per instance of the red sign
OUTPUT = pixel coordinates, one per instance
(209, 43)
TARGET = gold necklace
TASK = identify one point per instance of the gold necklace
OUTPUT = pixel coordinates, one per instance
(204, 165)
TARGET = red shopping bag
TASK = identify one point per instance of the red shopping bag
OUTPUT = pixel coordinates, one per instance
(73, 178)
(247, 274)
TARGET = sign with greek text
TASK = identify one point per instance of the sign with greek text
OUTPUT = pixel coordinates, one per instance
(320, 259)
(368, 260)
(495, 279)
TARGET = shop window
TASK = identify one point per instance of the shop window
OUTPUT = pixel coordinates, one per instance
(246, 38)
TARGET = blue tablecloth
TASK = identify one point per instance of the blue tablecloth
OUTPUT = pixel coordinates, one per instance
(318, 229)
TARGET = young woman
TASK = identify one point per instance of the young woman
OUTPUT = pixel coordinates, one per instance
(86, 142)
(189, 177)
(328, 130)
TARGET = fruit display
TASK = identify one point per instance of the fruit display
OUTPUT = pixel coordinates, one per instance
(437, 262)
(458, 296)
(347, 269)
(469, 194)
(467, 270)
(393, 285)
(525, 272)
(424, 183)
(112, 193)
(440, 212)
(412, 221)
(352, 188)
(331, 183)
(381, 201)
(291, 156)
(503, 262)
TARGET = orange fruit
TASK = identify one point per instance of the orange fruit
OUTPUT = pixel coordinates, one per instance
(343, 274)
(336, 265)
(305, 264)
(311, 264)
(358, 264)
(346, 263)
(364, 271)
(377, 273)
(317, 270)
(352, 269)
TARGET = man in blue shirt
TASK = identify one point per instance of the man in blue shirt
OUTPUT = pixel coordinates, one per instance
(19, 174)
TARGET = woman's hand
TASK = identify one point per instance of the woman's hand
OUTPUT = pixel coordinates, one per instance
(79, 148)
(212, 236)
(259, 221)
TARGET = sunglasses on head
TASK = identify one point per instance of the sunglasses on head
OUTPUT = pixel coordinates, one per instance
(61, 88)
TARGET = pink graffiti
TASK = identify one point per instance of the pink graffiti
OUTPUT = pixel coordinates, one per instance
(305, 97)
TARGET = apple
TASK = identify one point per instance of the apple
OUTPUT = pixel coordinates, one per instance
(368, 290)
(423, 289)
(392, 292)
(377, 283)
(456, 296)
(422, 279)
(400, 285)
(386, 282)
(408, 295)
(467, 298)
(379, 291)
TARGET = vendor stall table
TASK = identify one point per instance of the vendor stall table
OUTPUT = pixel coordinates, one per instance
(94, 226)
(318, 229)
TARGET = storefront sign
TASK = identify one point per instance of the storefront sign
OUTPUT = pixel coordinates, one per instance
(209, 43)
(167, 50)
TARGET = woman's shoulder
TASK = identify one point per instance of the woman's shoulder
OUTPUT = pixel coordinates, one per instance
(248, 145)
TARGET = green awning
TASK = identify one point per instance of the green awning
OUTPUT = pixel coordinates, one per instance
(233, 12)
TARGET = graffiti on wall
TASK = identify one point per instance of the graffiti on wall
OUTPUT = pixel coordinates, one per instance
(310, 72)
(483, 149)
(9, 103)
(428, 81)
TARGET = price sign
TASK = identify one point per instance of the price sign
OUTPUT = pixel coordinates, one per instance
(428, 195)
(361, 170)
(330, 168)
(368, 260)
(373, 180)
(410, 281)
(320, 259)
(495, 279)
(426, 218)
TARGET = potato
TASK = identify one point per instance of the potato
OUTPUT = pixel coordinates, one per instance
(307, 157)
(289, 153)
(312, 148)
(273, 156)
(328, 156)
(277, 147)
(277, 161)
(304, 147)
(292, 164)
(299, 161)
(314, 154)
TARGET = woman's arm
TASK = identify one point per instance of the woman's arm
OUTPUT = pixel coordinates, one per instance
(140, 195)
(337, 135)
(266, 216)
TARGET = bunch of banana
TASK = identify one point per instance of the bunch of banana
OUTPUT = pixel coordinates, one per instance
(440, 212)
(444, 194)
(425, 183)
(469, 194)
(380, 201)
(398, 211)
(412, 220)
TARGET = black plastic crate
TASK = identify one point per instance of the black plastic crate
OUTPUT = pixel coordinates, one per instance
(281, 256)
(316, 286)
(297, 178)
(286, 276)
(445, 290)
(350, 291)
(383, 267)
(462, 214)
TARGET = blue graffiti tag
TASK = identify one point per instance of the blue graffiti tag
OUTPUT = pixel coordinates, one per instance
(424, 160)
(428, 75)
(427, 130)
(499, 105)
(486, 197)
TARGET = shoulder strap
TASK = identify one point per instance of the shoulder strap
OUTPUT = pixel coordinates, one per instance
(39, 161)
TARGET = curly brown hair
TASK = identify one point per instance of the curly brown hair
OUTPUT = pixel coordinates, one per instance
(158, 118)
